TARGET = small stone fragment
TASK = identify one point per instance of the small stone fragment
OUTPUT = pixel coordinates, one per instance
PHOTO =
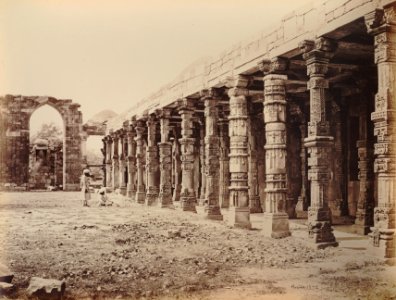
(47, 289)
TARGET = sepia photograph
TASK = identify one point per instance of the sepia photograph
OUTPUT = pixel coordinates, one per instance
(198, 149)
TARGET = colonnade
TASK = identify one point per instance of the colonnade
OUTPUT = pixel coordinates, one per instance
(248, 145)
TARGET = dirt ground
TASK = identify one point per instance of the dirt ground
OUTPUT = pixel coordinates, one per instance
(130, 251)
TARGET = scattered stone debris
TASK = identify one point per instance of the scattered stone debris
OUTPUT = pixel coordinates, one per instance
(5, 288)
(46, 289)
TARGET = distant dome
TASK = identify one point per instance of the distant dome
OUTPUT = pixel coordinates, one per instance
(41, 142)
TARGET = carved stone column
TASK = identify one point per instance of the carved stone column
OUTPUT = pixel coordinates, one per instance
(122, 162)
(165, 194)
(238, 132)
(84, 137)
(382, 25)
(131, 186)
(152, 163)
(212, 154)
(187, 195)
(319, 143)
(202, 192)
(365, 206)
(115, 158)
(140, 161)
(176, 166)
(109, 168)
(254, 197)
(224, 176)
(302, 203)
(276, 220)
(103, 150)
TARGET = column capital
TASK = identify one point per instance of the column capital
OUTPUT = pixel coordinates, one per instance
(319, 51)
(275, 65)
(185, 104)
(163, 113)
(211, 93)
(379, 20)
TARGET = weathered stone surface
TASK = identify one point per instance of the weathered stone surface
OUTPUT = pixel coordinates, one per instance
(5, 288)
(5, 274)
(46, 289)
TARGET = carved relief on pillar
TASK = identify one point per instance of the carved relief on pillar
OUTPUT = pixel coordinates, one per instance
(319, 143)
(115, 161)
(103, 151)
(382, 25)
(176, 164)
(140, 161)
(276, 222)
(202, 192)
(165, 148)
(122, 162)
(254, 197)
(187, 142)
(224, 176)
(109, 164)
(212, 154)
(131, 158)
(152, 163)
(238, 133)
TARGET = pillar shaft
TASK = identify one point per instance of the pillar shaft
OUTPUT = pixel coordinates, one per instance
(319, 144)
(187, 195)
(276, 223)
(165, 194)
(152, 163)
(140, 161)
(238, 133)
(176, 167)
(382, 25)
(115, 161)
(202, 153)
(109, 167)
(302, 203)
(122, 164)
(131, 158)
(224, 176)
(212, 149)
(254, 197)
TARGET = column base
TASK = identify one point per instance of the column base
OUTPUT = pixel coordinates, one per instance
(383, 244)
(140, 197)
(123, 191)
(240, 217)
(202, 202)
(165, 201)
(255, 205)
(319, 228)
(151, 199)
(276, 225)
(188, 201)
(213, 213)
(360, 229)
(131, 194)
(299, 209)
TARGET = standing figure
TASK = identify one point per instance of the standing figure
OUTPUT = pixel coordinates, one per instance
(85, 181)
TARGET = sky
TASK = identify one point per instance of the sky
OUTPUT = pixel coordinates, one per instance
(111, 54)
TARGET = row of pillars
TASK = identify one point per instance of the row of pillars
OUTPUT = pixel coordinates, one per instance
(319, 144)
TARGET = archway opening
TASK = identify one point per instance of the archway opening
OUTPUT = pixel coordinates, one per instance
(46, 149)
(94, 158)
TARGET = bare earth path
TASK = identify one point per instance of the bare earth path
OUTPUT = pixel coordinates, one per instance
(131, 251)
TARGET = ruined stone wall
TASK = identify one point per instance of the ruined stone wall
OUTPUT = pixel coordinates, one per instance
(15, 112)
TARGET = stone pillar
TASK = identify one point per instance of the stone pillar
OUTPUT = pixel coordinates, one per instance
(187, 195)
(224, 176)
(212, 149)
(104, 152)
(176, 166)
(276, 220)
(109, 167)
(115, 169)
(365, 206)
(140, 161)
(319, 143)
(254, 197)
(122, 162)
(152, 164)
(165, 194)
(202, 192)
(238, 132)
(131, 157)
(84, 137)
(382, 25)
(302, 203)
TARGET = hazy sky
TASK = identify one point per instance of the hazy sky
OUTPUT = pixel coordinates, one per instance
(110, 54)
